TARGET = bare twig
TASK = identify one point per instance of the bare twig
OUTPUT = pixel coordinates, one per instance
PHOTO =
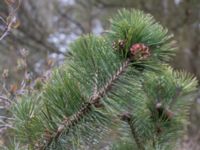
(13, 20)
(8, 28)
(2, 98)
(3, 20)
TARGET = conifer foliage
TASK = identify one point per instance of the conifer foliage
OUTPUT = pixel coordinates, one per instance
(118, 82)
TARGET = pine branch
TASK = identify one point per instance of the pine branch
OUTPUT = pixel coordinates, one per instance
(87, 108)
(70, 122)
(127, 117)
(101, 74)
(103, 91)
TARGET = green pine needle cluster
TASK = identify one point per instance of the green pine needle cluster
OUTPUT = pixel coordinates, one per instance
(119, 81)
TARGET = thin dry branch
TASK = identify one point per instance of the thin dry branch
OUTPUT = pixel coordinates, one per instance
(5, 99)
(9, 27)
(11, 20)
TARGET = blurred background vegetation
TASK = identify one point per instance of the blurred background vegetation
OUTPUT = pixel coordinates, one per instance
(48, 26)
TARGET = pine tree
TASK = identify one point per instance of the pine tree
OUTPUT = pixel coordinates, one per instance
(119, 82)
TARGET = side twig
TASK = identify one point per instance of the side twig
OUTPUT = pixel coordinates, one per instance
(127, 117)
